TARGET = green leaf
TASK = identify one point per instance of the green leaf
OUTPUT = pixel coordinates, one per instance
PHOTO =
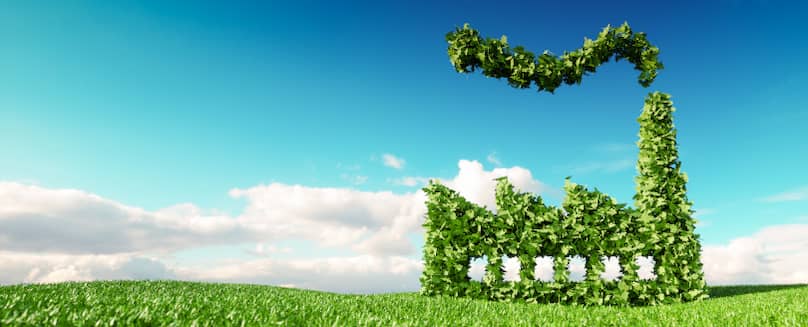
(661, 222)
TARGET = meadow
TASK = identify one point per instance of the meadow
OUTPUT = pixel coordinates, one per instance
(176, 303)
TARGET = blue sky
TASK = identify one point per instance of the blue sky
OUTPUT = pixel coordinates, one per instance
(155, 104)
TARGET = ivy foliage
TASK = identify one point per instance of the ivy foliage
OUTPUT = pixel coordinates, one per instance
(591, 224)
(468, 51)
(524, 227)
(662, 201)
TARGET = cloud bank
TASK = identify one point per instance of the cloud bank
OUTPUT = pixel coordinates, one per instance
(52, 235)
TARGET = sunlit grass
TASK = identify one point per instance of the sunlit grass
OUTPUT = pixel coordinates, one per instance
(188, 303)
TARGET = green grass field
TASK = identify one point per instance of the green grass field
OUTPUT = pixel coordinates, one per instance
(186, 303)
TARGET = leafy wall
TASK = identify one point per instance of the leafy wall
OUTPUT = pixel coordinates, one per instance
(592, 224)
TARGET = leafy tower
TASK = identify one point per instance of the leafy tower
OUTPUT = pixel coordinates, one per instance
(663, 207)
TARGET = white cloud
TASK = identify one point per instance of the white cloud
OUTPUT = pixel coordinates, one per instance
(388, 241)
(53, 235)
(35, 219)
(69, 221)
(262, 249)
(331, 216)
(492, 158)
(28, 267)
(363, 274)
(38, 219)
(367, 222)
(393, 161)
(774, 255)
(358, 274)
(411, 181)
(793, 195)
(65, 273)
(478, 186)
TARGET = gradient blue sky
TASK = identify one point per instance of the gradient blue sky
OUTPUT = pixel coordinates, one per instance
(155, 103)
